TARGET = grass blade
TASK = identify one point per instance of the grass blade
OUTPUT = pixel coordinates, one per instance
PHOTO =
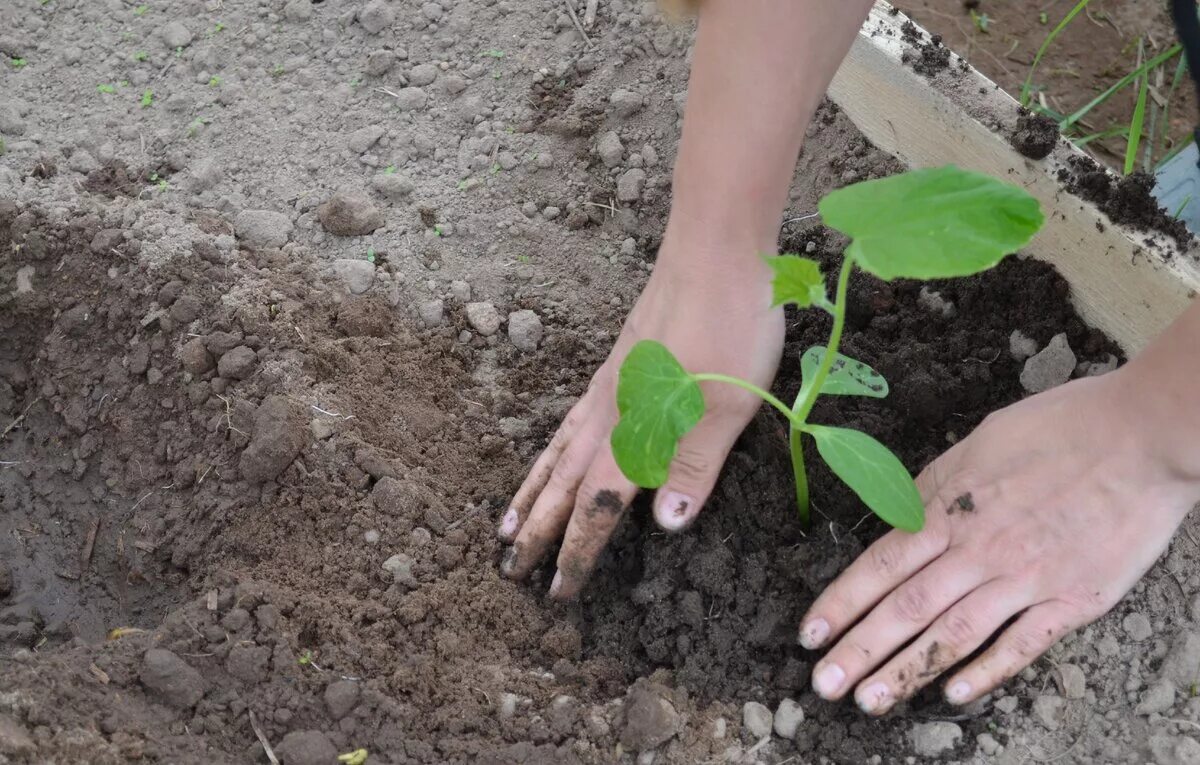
(1158, 60)
(1180, 69)
(1027, 86)
(1112, 132)
(1139, 118)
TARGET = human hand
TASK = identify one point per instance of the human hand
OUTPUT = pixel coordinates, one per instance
(1050, 512)
(714, 313)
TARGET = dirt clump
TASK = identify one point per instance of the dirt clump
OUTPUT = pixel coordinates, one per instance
(1035, 136)
(1126, 200)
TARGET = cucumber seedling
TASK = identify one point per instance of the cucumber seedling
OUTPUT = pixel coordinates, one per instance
(924, 224)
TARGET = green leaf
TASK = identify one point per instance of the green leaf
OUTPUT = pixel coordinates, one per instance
(874, 473)
(797, 280)
(932, 224)
(659, 402)
(847, 376)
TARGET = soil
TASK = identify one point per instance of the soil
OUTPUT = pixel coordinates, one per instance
(1126, 200)
(250, 471)
(1035, 136)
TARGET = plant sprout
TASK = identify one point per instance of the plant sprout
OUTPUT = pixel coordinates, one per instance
(925, 224)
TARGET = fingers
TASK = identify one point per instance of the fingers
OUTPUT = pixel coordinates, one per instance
(950, 639)
(903, 614)
(539, 474)
(694, 472)
(1020, 645)
(552, 508)
(891, 560)
(603, 497)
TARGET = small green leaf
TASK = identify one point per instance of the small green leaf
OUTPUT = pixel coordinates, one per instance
(932, 224)
(847, 376)
(147, 98)
(659, 402)
(873, 472)
(797, 280)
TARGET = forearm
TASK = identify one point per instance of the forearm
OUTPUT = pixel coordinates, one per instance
(759, 71)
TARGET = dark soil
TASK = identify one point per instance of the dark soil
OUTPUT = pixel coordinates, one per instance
(1125, 200)
(1035, 136)
(927, 57)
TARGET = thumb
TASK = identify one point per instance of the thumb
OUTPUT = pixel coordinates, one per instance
(694, 472)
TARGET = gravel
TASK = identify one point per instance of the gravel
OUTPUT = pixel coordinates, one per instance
(349, 213)
(757, 719)
(483, 318)
(1050, 367)
(392, 186)
(625, 103)
(1137, 626)
(262, 228)
(1021, 346)
(650, 719)
(933, 738)
(610, 150)
(357, 275)
(400, 566)
(525, 330)
(788, 718)
(175, 681)
(630, 185)
(237, 363)
(432, 312)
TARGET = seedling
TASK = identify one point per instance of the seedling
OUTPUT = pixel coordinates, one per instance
(277, 71)
(357, 757)
(389, 170)
(18, 63)
(981, 21)
(437, 229)
(147, 98)
(141, 10)
(925, 224)
(214, 81)
(104, 87)
(370, 254)
(141, 55)
(493, 53)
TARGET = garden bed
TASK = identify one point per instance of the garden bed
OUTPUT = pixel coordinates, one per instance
(280, 455)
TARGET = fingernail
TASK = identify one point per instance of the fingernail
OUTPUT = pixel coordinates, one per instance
(556, 584)
(814, 633)
(958, 692)
(876, 697)
(508, 526)
(828, 680)
(675, 511)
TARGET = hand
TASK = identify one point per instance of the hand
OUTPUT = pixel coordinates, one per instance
(1050, 511)
(713, 311)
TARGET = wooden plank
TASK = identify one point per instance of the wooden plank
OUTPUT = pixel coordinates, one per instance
(961, 117)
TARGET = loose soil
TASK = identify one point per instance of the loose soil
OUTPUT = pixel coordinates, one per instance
(253, 470)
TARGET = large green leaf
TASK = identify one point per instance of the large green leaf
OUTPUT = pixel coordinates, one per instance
(932, 224)
(797, 280)
(847, 376)
(659, 402)
(873, 472)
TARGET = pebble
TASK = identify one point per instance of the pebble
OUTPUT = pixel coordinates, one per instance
(1049, 710)
(349, 213)
(306, 747)
(483, 318)
(422, 75)
(195, 356)
(237, 363)
(757, 719)
(320, 429)
(932, 301)
(1156, 699)
(625, 103)
(1050, 367)
(380, 62)
(1021, 346)
(1182, 664)
(175, 34)
(298, 10)
(514, 428)
(262, 228)
(630, 185)
(460, 291)
(1097, 368)
(988, 744)
(933, 738)
(525, 330)
(1006, 705)
(432, 312)
(357, 275)
(364, 138)
(1174, 750)
(174, 680)
(1137, 626)
(371, 536)
(400, 566)
(411, 99)
(341, 697)
(650, 720)
(788, 717)
(1072, 682)
(610, 150)
(508, 705)
(376, 16)
(392, 186)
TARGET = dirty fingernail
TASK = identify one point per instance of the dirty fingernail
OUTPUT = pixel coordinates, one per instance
(556, 584)
(814, 633)
(876, 697)
(958, 692)
(675, 511)
(508, 526)
(828, 680)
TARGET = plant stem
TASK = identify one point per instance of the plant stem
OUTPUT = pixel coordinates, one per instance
(764, 395)
(804, 406)
(799, 473)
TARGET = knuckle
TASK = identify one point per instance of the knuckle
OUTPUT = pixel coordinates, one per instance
(1027, 643)
(884, 559)
(692, 464)
(960, 629)
(1087, 603)
(563, 481)
(912, 603)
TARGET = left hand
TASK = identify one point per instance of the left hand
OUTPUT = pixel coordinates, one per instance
(1050, 511)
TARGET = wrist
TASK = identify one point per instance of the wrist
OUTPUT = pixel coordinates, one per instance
(714, 259)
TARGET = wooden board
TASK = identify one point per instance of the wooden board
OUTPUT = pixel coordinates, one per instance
(961, 117)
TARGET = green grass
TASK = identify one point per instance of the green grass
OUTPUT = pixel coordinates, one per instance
(1139, 119)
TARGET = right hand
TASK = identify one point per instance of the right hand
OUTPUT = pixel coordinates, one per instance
(712, 310)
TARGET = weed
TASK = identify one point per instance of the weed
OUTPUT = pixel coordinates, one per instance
(141, 55)
(194, 126)
(147, 98)
(389, 170)
(141, 10)
(104, 87)
(214, 81)
(18, 63)
(924, 224)
(981, 21)
(370, 254)
(437, 229)
(277, 70)
(305, 659)
(179, 51)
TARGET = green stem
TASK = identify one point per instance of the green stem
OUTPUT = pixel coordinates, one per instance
(764, 395)
(804, 407)
(800, 474)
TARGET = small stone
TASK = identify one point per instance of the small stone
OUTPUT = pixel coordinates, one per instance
(933, 738)
(757, 719)
(1174, 750)
(484, 318)
(514, 428)
(371, 536)
(650, 720)
(195, 356)
(357, 275)
(1006, 705)
(422, 75)
(625, 102)
(277, 438)
(988, 744)
(411, 99)
(460, 291)
(1072, 683)
(306, 747)
(380, 62)
(1182, 664)
(432, 312)
(320, 429)
(393, 186)
(933, 302)
(610, 150)
(238, 363)
(341, 697)
(1137, 626)
(525, 330)
(175, 34)
(349, 213)
(298, 10)
(650, 155)
(1050, 367)
(174, 680)
(262, 228)
(1157, 698)
(1097, 368)
(376, 16)
(1020, 346)
(1049, 710)
(788, 717)
(364, 138)
(400, 566)
(507, 707)
(630, 185)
